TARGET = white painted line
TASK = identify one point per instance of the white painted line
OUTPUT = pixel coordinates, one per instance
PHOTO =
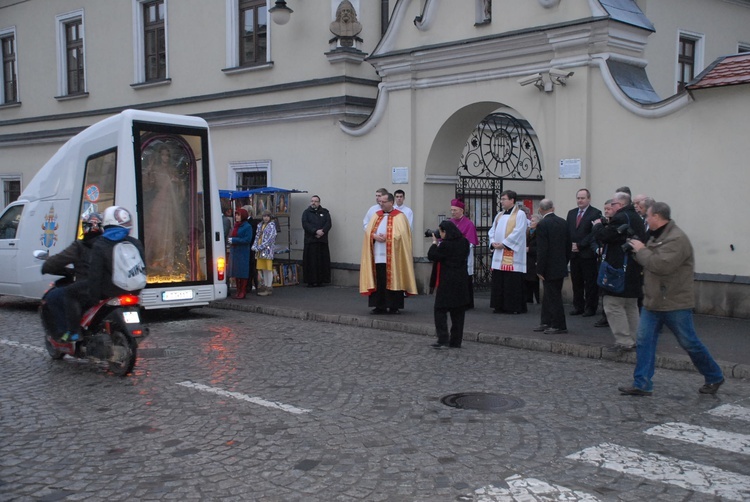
(704, 436)
(731, 411)
(682, 473)
(245, 397)
(528, 490)
(20, 345)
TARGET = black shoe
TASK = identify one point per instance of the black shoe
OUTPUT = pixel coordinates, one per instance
(589, 314)
(439, 346)
(711, 388)
(634, 391)
(541, 328)
(575, 312)
(378, 310)
(555, 331)
(602, 323)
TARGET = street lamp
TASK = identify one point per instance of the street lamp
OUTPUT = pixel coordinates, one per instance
(280, 13)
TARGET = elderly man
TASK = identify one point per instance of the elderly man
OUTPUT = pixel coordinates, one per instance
(553, 251)
(507, 238)
(386, 272)
(669, 266)
(622, 307)
(468, 230)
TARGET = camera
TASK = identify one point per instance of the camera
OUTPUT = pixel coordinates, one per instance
(625, 229)
(432, 233)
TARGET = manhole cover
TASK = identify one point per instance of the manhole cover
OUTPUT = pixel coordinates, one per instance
(482, 401)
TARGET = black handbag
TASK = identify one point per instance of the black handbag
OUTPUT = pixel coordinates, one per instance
(610, 279)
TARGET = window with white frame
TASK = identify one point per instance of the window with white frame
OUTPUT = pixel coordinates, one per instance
(689, 58)
(151, 36)
(250, 174)
(247, 34)
(11, 189)
(8, 70)
(71, 79)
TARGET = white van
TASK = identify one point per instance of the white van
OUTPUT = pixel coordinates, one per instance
(158, 166)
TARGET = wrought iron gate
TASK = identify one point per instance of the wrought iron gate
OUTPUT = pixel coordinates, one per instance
(500, 148)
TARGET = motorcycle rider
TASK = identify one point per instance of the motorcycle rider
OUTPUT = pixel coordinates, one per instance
(77, 254)
(117, 223)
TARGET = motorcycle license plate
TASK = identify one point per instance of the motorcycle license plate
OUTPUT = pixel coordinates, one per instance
(131, 317)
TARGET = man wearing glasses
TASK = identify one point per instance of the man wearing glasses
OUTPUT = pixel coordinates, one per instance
(622, 307)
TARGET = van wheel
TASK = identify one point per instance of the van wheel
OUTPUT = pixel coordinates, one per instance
(122, 360)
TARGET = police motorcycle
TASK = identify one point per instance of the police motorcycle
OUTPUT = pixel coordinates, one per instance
(110, 331)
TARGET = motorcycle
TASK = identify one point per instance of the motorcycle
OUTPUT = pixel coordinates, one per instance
(110, 331)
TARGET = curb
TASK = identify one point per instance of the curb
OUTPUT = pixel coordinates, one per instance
(671, 362)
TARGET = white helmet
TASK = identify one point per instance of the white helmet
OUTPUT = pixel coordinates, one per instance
(117, 216)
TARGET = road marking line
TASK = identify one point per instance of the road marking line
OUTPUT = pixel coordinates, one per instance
(704, 436)
(682, 473)
(731, 411)
(530, 489)
(245, 397)
(23, 346)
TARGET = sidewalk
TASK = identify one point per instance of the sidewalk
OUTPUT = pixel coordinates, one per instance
(727, 339)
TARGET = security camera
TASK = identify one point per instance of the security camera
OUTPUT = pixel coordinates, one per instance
(531, 79)
(558, 73)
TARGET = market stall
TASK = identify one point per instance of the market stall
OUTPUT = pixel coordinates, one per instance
(278, 201)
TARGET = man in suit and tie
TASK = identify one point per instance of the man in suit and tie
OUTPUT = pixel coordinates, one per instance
(583, 268)
(553, 250)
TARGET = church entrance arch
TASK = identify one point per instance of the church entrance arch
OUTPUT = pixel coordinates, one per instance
(501, 148)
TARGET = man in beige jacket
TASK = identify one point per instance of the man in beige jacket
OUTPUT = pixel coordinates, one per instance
(668, 298)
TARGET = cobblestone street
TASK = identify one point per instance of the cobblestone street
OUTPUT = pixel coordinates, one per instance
(227, 405)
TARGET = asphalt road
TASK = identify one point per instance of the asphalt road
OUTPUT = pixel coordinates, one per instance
(227, 405)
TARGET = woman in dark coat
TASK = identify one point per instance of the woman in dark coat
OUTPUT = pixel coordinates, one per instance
(240, 239)
(452, 287)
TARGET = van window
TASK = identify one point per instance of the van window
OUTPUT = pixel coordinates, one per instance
(98, 184)
(174, 230)
(9, 222)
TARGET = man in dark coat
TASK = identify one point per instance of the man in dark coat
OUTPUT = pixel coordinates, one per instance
(452, 296)
(316, 257)
(583, 269)
(553, 249)
(622, 308)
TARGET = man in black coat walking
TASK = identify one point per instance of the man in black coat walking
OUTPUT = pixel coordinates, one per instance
(553, 249)
(583, 267)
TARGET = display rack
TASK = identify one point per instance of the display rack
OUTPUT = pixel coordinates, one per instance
(278, 200)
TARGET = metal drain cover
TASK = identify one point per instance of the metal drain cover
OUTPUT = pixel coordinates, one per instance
(482, 401)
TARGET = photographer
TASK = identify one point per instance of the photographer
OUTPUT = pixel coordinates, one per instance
(622, 308)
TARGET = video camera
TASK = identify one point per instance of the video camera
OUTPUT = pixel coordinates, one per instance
(432, 233)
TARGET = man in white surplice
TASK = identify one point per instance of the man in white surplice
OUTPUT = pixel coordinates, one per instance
(507, 238)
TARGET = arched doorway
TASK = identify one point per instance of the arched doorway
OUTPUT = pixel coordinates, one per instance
(500, 148)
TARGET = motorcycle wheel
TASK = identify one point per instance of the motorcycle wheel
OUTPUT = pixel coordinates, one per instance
(123, 356)
(52, 351)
